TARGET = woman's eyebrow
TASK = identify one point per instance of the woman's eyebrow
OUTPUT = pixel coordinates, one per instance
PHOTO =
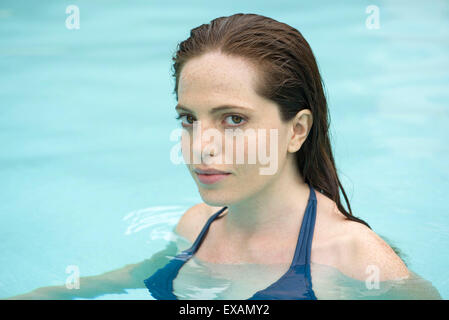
(216, 109)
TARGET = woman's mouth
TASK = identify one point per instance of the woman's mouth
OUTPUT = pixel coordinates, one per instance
(210, 176)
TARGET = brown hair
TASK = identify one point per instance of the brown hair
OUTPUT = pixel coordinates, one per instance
(289, 76)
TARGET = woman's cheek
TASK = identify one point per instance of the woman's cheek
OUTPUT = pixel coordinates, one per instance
(186, 147)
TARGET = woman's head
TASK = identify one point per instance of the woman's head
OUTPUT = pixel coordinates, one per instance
(217, 92)
(268, 68)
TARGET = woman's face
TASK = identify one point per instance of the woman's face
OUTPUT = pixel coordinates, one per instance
(215, 80)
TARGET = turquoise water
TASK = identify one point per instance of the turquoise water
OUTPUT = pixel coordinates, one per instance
(86, 115)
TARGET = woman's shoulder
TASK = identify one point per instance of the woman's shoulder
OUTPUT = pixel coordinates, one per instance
(363, 253)
(194, 219)
(356, 250)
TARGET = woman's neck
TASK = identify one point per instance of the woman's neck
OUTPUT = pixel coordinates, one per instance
(272, 210)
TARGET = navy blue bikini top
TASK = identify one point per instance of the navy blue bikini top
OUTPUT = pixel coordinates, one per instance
(295, 284)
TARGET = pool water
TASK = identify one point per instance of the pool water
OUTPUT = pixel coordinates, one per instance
(86, 116)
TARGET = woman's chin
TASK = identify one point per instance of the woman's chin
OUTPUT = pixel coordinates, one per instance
(214, 198)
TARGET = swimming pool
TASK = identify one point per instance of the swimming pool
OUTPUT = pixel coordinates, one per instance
(86, 115)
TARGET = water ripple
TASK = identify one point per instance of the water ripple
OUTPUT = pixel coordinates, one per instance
(161, 220)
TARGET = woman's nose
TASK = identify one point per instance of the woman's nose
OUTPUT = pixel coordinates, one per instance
(206, 141)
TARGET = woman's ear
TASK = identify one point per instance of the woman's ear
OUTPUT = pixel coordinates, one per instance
(299, 129)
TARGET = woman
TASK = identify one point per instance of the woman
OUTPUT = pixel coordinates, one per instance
(248, 71)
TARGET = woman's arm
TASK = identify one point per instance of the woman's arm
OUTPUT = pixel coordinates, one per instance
(414, 288)
(130, 276)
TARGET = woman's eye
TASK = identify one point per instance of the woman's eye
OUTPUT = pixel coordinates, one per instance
(235, 120)
(189, 119)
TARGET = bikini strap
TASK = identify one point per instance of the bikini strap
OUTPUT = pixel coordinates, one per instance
(304, 245)
(203, 232)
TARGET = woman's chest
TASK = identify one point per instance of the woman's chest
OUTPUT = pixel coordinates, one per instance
(205, 281)
(209, 281)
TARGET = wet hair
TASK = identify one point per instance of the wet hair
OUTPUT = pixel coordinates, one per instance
(288, 75)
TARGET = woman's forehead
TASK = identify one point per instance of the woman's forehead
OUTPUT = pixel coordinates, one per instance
(215, 80)
(217, 73)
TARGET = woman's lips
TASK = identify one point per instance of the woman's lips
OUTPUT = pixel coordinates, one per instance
(211, 178)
